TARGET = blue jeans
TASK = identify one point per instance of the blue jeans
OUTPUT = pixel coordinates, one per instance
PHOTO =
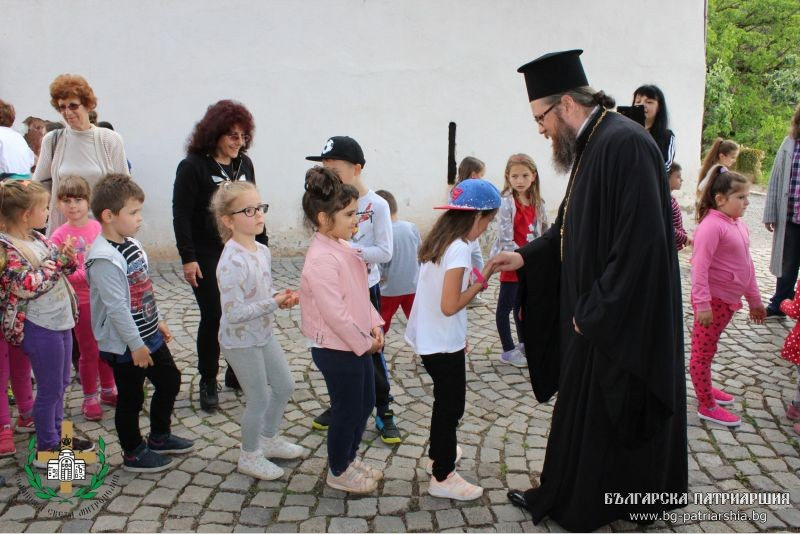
(784, 287)
(351, 387)
(508, 300)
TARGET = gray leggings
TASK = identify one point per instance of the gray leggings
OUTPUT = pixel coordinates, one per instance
(267, 384)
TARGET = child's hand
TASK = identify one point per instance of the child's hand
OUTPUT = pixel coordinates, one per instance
(488, 271)
(67, 248)
(165, 332)
(286, 299)
(377, 344)
(757, 315)
(704, 318)
(141, 357)
(689, 241)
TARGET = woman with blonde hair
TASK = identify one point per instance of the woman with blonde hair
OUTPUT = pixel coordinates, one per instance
(81, 148)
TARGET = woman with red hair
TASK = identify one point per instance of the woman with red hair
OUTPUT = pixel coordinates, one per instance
(81, 148)
(215, 155)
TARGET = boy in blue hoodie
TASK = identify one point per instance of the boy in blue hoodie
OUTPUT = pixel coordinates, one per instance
(125, 321)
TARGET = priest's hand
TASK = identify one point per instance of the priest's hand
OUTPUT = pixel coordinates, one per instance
(757, 315)
(575, 325)
(505, 261)
(704, 318)
(770, 226)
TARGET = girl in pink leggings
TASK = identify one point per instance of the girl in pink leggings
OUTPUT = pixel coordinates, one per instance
(722, 271)
(73, 202)
(14, 364)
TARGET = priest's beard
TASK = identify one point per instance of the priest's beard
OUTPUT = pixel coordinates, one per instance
(564, 145)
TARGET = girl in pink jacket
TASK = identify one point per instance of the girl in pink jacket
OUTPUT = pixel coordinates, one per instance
(343, 326)
(722, 271)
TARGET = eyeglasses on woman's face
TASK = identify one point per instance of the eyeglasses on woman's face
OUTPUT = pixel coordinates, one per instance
(236, 136)
(251, 211)
(72, 106)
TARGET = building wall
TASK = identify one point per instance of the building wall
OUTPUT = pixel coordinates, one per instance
(391, 74)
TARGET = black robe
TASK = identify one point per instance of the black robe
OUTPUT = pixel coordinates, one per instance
(619, 423)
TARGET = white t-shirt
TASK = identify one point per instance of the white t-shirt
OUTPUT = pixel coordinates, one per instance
(15, 155)
(374, 234)
(429, 331)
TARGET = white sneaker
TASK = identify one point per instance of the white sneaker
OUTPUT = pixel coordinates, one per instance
(367, 470)
(352, 480)
(254, 464)
(514, 357)
(278, 448)
(429, 466)
(455, 488)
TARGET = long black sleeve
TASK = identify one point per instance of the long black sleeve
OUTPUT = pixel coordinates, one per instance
(184, 199)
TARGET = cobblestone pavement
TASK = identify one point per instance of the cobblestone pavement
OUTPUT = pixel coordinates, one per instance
(503, 434)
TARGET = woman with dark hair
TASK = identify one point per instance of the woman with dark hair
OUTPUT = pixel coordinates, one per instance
(81, 148)
(656, 120)
(215, 154)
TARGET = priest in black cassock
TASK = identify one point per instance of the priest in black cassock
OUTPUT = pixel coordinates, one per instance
(601, 305)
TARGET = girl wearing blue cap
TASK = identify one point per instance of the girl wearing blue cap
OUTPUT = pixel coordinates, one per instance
(437, 328)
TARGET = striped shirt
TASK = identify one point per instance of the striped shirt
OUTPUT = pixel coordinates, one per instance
(677, 221)
(143, 301)
(794, 185)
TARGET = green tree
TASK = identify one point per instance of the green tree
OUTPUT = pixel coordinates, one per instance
(752, 78)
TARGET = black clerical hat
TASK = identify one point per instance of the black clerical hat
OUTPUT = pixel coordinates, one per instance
(554, 73)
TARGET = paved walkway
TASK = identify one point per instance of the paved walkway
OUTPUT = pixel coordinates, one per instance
(503, 434)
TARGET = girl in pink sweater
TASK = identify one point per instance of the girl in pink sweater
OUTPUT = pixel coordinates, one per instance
(343, 326)
(722, 271)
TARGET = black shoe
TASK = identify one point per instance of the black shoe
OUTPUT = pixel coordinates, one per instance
(517, 497)
(230, 379)
(169, 444)
(209, 401)
(145, 460)
(772, 313)
(323, 421)
(78, 444)
(390, 434)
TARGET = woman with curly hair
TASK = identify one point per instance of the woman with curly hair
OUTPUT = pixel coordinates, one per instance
(81, 148)
(215, 154)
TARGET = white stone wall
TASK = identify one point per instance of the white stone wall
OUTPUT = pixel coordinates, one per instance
(392, 74)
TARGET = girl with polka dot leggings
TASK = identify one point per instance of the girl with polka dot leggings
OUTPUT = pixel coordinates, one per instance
(791, 352)
(722, 271)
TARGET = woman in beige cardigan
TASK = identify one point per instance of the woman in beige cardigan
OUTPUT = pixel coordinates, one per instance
(782, 216)
(79, 149)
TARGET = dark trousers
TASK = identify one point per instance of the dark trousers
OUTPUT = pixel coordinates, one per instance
(166, 380)
(207, 296)
(351, 387)
(508, 300)
(784, 287)
(381, 370)
(448, 371)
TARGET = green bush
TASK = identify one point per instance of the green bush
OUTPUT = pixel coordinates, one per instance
(749, 163)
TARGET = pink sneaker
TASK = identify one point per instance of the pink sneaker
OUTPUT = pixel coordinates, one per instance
(25, 425)
(7, 447)
(792, 412)
(109, 399)
(429, 465)
(722, 398)
(455, 488)
(796, 428)
(92, 410)
(719, 415)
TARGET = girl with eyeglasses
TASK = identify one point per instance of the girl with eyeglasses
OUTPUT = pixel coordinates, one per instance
(81, 148)
(249, 301)
(216, 154)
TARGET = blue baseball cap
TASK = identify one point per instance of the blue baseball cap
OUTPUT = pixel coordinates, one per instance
(473, 194)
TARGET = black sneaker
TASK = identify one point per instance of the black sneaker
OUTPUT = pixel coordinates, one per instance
(777, 314)
(209, 401)
(143, 459)
(322, 421)
(390, 434)
(170, 444)
(230, 379)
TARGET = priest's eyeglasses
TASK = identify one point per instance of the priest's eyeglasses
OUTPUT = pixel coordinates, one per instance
(540, 118)
(250, 211)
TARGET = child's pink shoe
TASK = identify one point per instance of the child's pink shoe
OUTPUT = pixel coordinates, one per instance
(792, 412)
(719, 415)
(109, 398)
(92, 410)
(796, 428)
(7, 447)
(722, 398)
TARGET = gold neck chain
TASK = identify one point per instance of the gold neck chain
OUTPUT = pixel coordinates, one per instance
(572, 181)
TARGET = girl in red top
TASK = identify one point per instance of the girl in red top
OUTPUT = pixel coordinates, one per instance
(520, 220)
